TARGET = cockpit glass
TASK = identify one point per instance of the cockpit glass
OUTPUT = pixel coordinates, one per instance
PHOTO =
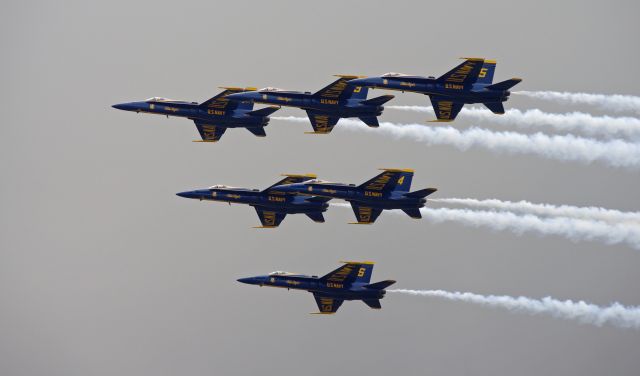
(393, 74)
(279, 273)
(268, 89)
(218, 186)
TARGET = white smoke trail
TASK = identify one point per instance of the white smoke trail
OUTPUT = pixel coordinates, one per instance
(590, 125)
(590, 212)
(615, 153)
(573, 229)
(615, 102)
(615, 314)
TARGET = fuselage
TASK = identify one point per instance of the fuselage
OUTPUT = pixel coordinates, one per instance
(237, 118)
(352, 193)
(307, 101)
(354, 291)
(476, 93)
(278, 202)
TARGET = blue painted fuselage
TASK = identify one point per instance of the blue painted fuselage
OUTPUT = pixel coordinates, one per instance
(277, 202)
(352, 193)
(343, 108)
(236, 118)
(336, 290)
(468, 94)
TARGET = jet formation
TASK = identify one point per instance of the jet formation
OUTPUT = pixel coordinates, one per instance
(348, 282)
(469, 82)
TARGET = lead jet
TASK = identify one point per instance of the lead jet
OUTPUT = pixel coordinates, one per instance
(212, 117)
(272, 206)
(327, 106)
(348, 282)
(469, 82)
(388, 190)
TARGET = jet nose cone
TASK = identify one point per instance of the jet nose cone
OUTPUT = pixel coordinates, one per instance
(188, 194)
(249, 281)
(126, 106)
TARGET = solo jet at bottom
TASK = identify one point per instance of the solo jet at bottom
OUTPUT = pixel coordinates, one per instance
(271, 206)
(348, 282)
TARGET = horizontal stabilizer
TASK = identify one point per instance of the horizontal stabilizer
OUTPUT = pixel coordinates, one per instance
(505, 85)
(421, 193)
(413, 213)
(495, 107)
(371, 121)
(373, 303)
(316, 216)
(264, 111)
(258, 131)
(380, 285)
(378, 101)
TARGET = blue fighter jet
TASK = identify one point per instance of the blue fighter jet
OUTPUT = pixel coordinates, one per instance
(348, 282)
(388, 190)
(212, 117)
(327, 106)
(469, 82)
(272, 206)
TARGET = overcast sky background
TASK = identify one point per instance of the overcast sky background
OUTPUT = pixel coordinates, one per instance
(104, 271)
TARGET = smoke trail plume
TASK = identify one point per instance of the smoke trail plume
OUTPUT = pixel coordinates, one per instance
(615, 153)
(526, 207)
(570, 228)
(615, 102)
(590, 125)
(615, 314)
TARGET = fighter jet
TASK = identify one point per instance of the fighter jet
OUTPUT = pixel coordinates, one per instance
(388, 190)
(469, 82)
(271, 206)
(212, 117)
(348, 282)
(327, 106)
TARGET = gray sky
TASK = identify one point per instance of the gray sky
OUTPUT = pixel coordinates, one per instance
(104, 271)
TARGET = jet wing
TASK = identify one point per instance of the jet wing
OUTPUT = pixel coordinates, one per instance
(365, 215)
(340, 89)
(269, 218)
(322, 123)
(221, 103)
(445, 108)
(326, 304)
(209, 132)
